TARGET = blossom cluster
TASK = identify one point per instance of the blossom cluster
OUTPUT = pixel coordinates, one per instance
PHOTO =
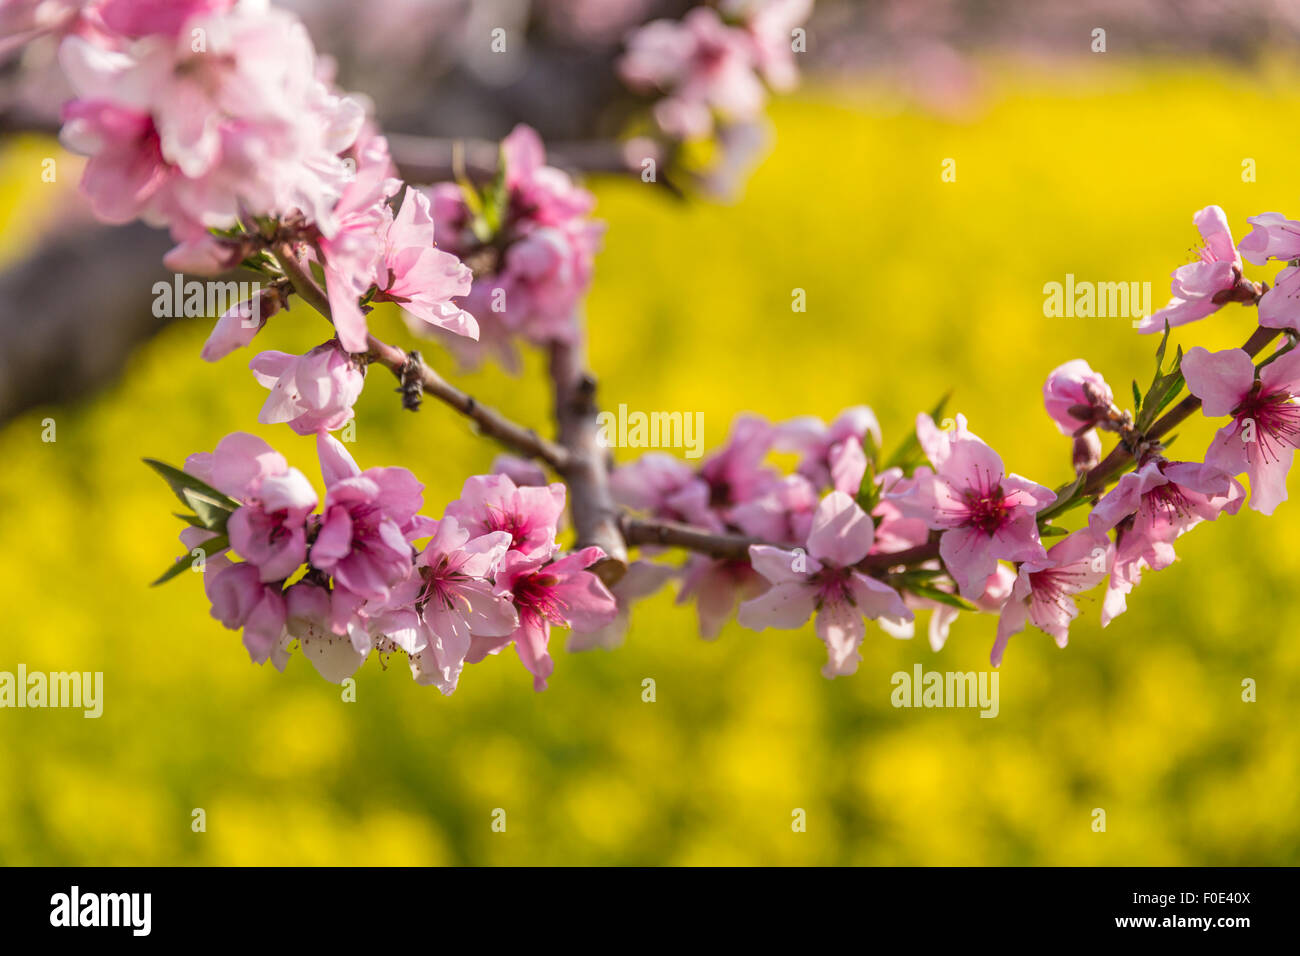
(215, 119)
(840, 515)
(711, 66)
(340, 577)
(707, 76)
(533, 247)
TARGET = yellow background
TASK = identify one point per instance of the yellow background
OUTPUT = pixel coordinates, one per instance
(914, 286)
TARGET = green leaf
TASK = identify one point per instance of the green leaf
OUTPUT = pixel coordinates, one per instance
(908, 455)
(922, 574)
(1165, 386)
(496, 198)
(1052, 531)
(179, 481)
(943, 597)
(1137, 398)
(868, 494)
(1175, 389)
(1160, 349)
(209, 548)
(1064, 500)
(211, 513)
(871, 449)
(1291, 341)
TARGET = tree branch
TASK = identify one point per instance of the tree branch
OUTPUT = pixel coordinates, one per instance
(423, 159)
(580, 459)
(725, 547)
(1120, 456)
(490, 422)
(735, 547)
(595, 516)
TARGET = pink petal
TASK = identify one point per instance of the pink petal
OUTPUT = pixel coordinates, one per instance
(842, 533)
(1219, 379)
(785, 607)
(335, 463)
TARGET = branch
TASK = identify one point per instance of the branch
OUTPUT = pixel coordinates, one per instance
(580, 460)
(725, 547)
(1120, 456)
(735, 547)
(424, 159)
(595, 516)
(490, 422)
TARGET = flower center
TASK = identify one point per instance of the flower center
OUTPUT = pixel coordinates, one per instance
(1170, 502)
(536, 593)
(832, 586)
(987, 510)
(1276, 425)
(510, 522)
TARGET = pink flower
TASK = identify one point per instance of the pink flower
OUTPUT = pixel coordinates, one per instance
(735, 473)
(354, 251)
(1201, 287)
(717, 587)
(542, 194)
(1045, 588)
(312, 392)
(643, 578)
(369, 517)
(896, 531)
(546, 593)
(496, 340)
(1152, 507)
(771, 24)
(704, 67)
(420, 277)
(1264, 432)
(241, 600)
(985, 514)
(783, 514)
(529, 515)
(140, 18)
(830, 456)
(309, 612)
(664, 486)
(23, 21)
(238, 465)
(1273, 236)
(536, 267)
(457, 600)
(545, 275)
(1075, 396)
(126, 175)
(270, 530)
(824, 582)
(240, 323)
(196, 138)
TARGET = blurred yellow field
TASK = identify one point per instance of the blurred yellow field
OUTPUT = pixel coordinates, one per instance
(915, 286)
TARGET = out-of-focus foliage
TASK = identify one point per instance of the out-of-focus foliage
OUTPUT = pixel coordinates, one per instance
(914, 287)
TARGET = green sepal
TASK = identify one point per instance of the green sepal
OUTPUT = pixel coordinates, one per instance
(210, 549)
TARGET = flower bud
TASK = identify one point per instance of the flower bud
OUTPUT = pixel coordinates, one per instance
(1087, 451)
(1075, 396)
